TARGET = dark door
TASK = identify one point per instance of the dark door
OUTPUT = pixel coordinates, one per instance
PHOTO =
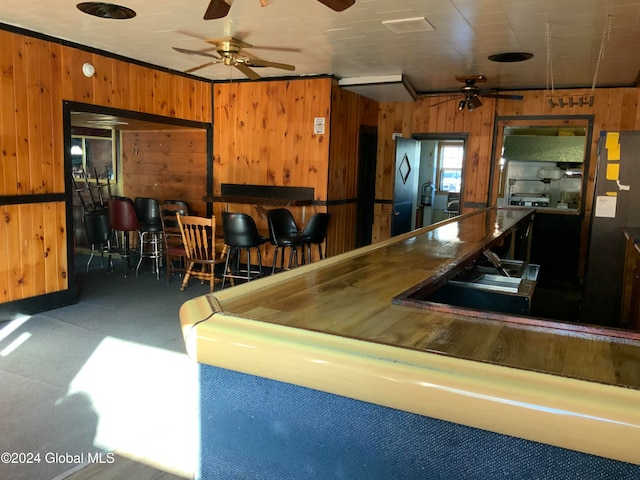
(405, 187)
(368, 146)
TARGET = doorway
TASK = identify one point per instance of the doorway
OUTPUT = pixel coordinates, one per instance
(134, 139)
(368, 147)
(437, 186)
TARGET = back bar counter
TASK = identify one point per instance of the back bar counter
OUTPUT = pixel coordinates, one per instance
(318, 372)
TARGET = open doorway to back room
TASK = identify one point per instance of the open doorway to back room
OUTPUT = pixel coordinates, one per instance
(113, 152)
(441, 175)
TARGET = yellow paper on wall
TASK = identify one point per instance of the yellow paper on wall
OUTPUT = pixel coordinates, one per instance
(613, 146)
(613, 139)
(613, 170)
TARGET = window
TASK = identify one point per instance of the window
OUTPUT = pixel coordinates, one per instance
(450, 157)
(93, 155)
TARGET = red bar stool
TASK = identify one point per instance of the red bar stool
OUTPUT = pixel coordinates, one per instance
(123, 218)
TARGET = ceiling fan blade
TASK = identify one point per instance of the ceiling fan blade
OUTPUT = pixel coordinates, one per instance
(217, 9)
(194, 52)
(338, 5)
(256, 62)
(444, 101)
(501, 95)
(247, 71)
(204, 65)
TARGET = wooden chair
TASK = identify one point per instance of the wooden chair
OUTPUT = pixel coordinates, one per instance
(198, 236)
(175, 253)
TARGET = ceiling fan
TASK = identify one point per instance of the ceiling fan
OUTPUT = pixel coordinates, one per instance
(220, 8)
(472, 93)
(230, 53)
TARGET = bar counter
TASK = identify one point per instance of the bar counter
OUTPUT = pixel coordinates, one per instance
(333, 327)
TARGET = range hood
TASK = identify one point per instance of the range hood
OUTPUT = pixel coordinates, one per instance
(569, 149)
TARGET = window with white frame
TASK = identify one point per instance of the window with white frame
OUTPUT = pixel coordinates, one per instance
(450, 158)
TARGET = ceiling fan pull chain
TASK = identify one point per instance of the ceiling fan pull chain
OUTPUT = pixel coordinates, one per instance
(549, 60)
(605, 36)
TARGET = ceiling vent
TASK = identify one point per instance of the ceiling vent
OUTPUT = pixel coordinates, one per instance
(407, 25)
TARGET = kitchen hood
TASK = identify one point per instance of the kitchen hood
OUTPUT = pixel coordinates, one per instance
(569, 149)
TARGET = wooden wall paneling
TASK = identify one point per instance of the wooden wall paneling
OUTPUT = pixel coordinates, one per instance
(318, 150)
(119, 82)
(45, 91)
(11, 235)
(34, 179)
(62, 271)
(340, 237)
(220, 152)
(294, 130)
(39, 248)
(8, 152)
(309, 157)
(369, 112)
(25, 276)
(139, 93)
(273, 133)
(629, 110)
(75, 86)
(237, 134)
(102, 80)
(36, 76)
(57, 152)
(169, 165)
(295, 133)
(5, 284)
(611, 121)
(23, 174)
(183, 95)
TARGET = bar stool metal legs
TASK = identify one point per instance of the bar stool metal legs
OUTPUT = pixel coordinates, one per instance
(241, 234)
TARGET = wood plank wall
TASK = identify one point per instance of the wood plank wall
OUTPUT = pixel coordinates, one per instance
(614, 109)
(428, 115)
(349, 112)
(36, 76)
(166, 165)
(264, 135)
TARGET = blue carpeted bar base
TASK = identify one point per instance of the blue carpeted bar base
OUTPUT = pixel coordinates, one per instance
(255, 428)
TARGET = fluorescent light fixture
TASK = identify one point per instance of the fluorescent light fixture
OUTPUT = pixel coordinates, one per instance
(386, 88)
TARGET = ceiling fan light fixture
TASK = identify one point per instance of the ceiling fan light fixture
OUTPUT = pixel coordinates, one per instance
(473, 102)
(510, 57)
(462, 104)
(106, 10)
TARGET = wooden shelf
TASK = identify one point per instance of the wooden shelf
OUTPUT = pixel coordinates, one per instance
(284, 202)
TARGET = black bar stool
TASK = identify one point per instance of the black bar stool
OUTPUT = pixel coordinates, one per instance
(241, 233)
(150, 229)
(316, 231)
(98, 231)
(283, 234)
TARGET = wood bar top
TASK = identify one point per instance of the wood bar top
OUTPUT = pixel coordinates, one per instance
(338, 315)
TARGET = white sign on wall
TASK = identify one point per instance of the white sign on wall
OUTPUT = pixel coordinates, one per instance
(318, 125)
